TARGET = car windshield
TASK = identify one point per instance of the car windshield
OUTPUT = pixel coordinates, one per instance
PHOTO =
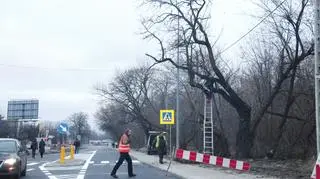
(7, 146)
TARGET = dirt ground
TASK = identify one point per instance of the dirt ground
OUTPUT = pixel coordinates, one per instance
(283, 168)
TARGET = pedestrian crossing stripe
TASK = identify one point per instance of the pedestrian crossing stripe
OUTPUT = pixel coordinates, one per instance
(108, 162)
(167, 117)
(68, 176)
(33, 163)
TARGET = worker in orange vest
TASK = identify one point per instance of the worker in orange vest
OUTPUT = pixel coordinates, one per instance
(124, 149)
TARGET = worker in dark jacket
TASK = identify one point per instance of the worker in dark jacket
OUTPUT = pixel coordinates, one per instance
(161, 145)
(34, 147)
(42, 145)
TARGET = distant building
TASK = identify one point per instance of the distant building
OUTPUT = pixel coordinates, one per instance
(23, 109)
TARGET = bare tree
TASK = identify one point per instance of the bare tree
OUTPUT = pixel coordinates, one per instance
(50, 127)
(79, 125)
(203, 69)
(132, 91)
(29, 132)
(205, 72)
(4, 129)
(277, 62)
(114, 121)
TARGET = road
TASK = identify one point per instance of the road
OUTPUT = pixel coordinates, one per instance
(33, 166)
(98, 165)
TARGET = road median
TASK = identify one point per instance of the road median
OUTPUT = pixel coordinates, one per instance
(79, 160)
(67, 163)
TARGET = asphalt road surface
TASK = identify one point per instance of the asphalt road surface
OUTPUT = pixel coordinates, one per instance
(33, 170)
(104, 160)
(99, 164)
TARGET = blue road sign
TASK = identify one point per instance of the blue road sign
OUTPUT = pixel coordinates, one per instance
(63, 128)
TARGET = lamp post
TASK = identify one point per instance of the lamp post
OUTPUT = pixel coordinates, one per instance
(178, 89)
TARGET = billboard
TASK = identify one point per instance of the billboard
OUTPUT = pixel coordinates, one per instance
(23, 109)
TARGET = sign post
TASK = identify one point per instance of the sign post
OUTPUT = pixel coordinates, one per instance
(170, 144)
(167, 118)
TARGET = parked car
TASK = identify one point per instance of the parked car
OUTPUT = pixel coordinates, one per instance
(13, 158)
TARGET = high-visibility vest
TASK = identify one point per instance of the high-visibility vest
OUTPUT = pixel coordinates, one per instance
(158, 141)
(124, 148)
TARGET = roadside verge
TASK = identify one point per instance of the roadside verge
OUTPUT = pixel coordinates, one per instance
(190, 171)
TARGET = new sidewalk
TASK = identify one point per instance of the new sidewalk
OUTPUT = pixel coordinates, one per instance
(192, 171)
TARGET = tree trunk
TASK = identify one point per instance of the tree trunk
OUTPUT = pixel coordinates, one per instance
(244, 136)
(221, 146)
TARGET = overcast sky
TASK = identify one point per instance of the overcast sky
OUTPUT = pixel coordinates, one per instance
(56, 36)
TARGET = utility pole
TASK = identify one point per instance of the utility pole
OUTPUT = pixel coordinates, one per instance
(317, 69)
(178, 89)
(166, 107)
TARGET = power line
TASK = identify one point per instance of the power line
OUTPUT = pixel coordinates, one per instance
(254, 27)
(57, 69)
(101, 69)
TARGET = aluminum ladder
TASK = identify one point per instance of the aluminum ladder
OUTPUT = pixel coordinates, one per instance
(208, 126)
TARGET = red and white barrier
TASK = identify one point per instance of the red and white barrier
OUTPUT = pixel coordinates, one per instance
(213, 160)
(316, 170)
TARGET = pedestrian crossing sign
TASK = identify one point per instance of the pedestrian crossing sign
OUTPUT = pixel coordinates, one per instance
(166, 116)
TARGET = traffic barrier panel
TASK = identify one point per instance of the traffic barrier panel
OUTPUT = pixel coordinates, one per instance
(213, 160)
(316, 172)
(316, 169)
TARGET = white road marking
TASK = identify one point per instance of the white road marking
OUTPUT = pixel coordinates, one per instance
(29, 170)
(66, 176)
(136, 161)
(85, 166)
(46, 172)
(133, 161)
(107, 173)
(33, 163)
(91, 162)
(105, 162)
(64, 168)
